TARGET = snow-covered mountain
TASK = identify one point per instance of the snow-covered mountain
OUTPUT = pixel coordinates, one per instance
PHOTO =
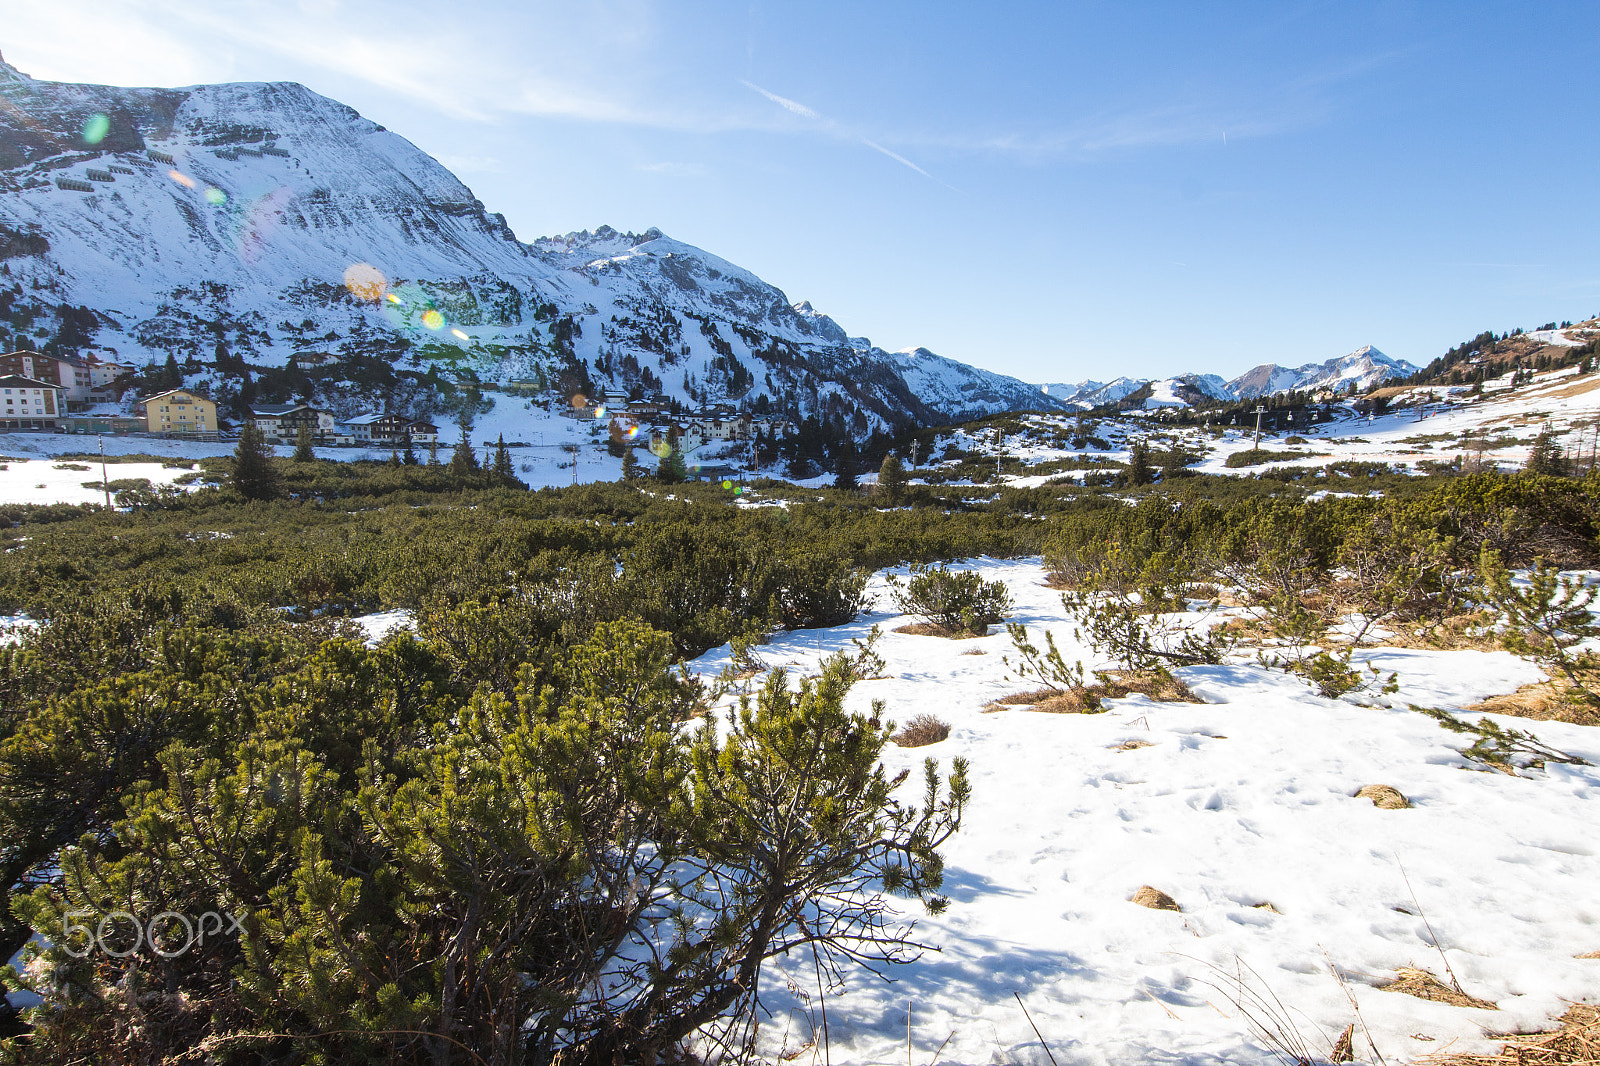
(1365, 367)
(233, 226)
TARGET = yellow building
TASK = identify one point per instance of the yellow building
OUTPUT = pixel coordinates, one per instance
(179, 411)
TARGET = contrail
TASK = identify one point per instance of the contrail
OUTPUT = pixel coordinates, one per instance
(784, 102)
(898, 158)
(796, 107)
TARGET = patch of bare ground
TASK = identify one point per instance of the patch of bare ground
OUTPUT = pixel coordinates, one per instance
(1458, 632)
(930, 629)
(1584, 383)
(1575, 1043)
(1424, 985)
(1158, 685)
(1131, 745)
(1542, 701)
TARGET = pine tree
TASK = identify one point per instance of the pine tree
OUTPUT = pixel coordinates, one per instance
(630, 465)
(616, 444)
(303, 452)
(1546, 457)
(671, 467)
(433, 452)
(463, 462)
(504, 472)
(171, 376)
(1139, 469)
(891, 478)
(410, 456)
(253, 472)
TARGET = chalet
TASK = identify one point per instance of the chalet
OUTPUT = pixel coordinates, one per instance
(644, 409)
(390, 430)
(30, 403)
(179, 412)
(282, 422)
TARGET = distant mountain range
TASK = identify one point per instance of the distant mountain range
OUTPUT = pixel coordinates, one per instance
(1365, 367)
(233, 226)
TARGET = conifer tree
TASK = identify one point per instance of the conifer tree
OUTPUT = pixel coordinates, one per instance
(464, 462)
(616, 444)
(410, 456)
(171, 375)
(671, 468)
(1546, 457)
(1139, 469)
(253, 473)
(891, 478)
(630, 465)
(504, 472)
(303, 452)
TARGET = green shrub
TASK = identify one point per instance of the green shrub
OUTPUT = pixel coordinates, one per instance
(957, 600)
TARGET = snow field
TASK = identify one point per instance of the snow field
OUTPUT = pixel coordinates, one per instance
(1244, 800)
(46, 481)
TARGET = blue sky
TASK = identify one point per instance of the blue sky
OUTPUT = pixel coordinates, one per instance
(1052, 190)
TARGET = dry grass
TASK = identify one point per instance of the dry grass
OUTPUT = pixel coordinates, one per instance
(1383, 796)
(1131, 745)
(1458, 632)
(921, 731)
(1542, 701)
(1158, 685)
(974, 651)
(1155, 899)
(1576, 1043)
(929, 629)
(1424, 985)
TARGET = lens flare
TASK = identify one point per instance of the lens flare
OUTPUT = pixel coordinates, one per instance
(258, 221)
(660, 449)
(600, 412)
(580, 400)
(366, 282)
(182, 179)
(392, 298)
(727, 484)
(95, 128)
(432, 319)
(460, 335)
(633, 431)
(215, 196)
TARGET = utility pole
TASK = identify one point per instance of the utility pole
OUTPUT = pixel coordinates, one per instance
(1260, 410)
(105, 480)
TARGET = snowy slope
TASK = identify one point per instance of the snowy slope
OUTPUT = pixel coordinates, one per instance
(1241, 802)
(275, 220)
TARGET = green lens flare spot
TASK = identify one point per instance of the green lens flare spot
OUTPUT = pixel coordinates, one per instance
(95, 128)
